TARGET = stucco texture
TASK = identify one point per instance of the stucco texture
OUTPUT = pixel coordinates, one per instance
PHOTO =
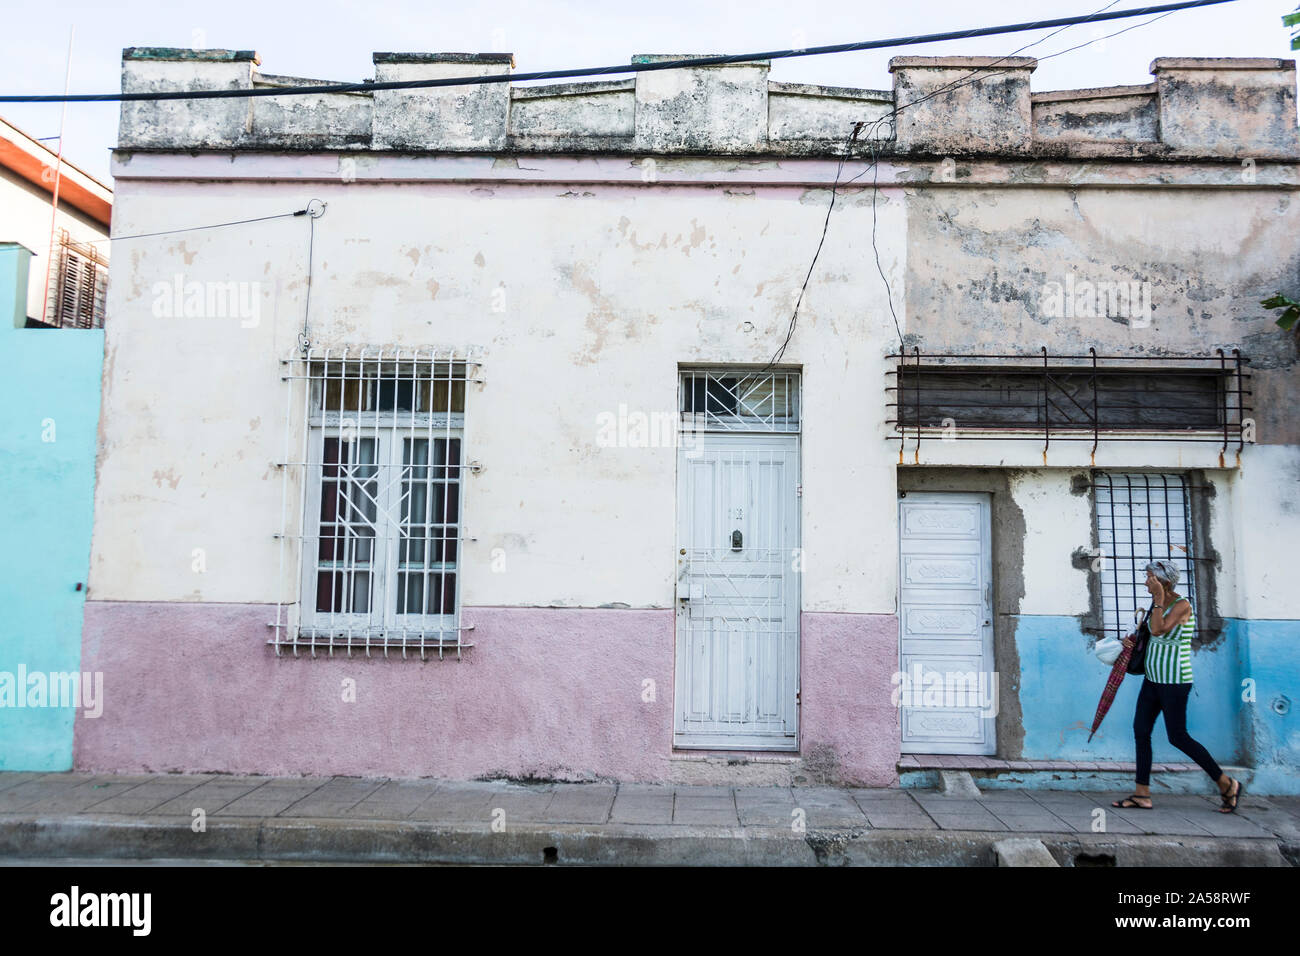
(1206, 258)
(848, 662)
(553, 693)
(603, 291)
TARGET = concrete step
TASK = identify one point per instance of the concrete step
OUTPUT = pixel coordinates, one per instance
(926, 773)
(957, 783)
(1022, 852)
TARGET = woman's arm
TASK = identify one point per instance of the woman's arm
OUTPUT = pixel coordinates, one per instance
(1165, 619)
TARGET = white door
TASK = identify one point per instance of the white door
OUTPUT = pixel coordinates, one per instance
(948, 689)
(737, 673)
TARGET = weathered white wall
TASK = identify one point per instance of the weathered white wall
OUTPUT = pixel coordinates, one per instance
(1056, 523)
(1266, 526)
(607, 288)
(1244, 518)
(1203, 258)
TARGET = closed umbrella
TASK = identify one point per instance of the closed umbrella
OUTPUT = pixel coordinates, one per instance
(1117, 672)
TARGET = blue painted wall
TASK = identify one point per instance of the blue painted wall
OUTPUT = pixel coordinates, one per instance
(1061, 681)
(1270, 724)
(49, 388)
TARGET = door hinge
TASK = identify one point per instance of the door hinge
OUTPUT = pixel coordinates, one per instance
(798, 698)
(798, 491)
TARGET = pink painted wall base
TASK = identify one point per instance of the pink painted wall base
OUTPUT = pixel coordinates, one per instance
(846, 673)
(552, 693)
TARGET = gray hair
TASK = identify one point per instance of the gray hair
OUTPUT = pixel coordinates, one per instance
(1166, 571)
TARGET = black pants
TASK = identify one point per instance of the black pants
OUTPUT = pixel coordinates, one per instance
(1171, 700)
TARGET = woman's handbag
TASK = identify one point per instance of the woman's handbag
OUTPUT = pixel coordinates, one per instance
(1137, 661)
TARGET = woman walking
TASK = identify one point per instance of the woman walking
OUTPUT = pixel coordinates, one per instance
(1166, 687)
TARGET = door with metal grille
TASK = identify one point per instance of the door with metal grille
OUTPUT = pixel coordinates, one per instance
(947, 692)
(737, 671)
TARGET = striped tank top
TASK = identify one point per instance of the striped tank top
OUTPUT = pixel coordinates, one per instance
(1169, 656)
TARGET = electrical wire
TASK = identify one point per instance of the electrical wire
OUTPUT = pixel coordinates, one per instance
(370, 85)
(873, 166)
(983, 73)
(304, 341)
(794, 316)
(214, 225)
(313, 211)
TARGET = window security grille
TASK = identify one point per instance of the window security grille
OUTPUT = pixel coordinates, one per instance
(78, 286)
(739, 401)
(1065, 399)
(1141, 517)
(382, 466)
(1198, 398)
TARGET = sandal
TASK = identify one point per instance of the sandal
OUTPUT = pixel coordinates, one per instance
(1131, 802)
(1231, 797)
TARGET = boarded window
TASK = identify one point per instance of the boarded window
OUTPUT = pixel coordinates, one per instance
(1158, 400)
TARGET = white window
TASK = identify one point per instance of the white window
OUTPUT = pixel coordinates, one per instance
(381, 526)
(1141, 517)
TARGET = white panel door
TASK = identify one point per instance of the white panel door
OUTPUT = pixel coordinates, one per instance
(737, 664)
(949, 691)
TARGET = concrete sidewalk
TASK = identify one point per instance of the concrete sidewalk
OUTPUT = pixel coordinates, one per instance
(349, 819)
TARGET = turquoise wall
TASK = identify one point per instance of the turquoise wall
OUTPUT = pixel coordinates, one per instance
(49, 388)
(1061, 681)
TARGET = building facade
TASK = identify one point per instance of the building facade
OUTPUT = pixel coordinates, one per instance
(497, 430)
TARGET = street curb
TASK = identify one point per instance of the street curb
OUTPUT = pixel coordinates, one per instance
(385, 841)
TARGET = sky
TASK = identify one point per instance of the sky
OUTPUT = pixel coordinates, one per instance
(334, 39)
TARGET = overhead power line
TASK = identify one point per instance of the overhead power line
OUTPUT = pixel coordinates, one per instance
(370, 86)
(973, 76)
(212, 225)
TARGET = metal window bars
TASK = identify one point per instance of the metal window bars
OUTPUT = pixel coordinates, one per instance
(1141, 517)
(379, 481)
(736, 400)
(78, 286)
(1070, 397)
